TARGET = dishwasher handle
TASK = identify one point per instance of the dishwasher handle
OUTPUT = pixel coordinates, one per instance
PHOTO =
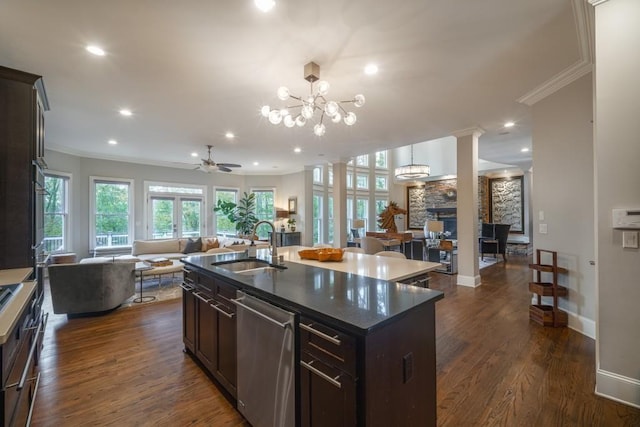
(238, 302)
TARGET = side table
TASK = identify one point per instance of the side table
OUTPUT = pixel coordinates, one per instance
(140, 268)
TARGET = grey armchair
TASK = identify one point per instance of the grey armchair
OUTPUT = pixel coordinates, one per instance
(90, 288)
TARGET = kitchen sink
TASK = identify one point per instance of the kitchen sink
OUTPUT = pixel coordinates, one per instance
(242, 264)
(255, 271)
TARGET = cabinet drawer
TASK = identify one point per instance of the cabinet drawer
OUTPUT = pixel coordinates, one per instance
(328, 345)
(190, 277)
(224, 293)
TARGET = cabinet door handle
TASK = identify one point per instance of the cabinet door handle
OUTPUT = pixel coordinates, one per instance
(32, 350)
(186, 287)
(257, 313)
(333, 339)
(201, 298)
(318, 372)
(221, 311)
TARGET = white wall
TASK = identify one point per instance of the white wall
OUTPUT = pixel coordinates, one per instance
(563, 192)
(617, 144)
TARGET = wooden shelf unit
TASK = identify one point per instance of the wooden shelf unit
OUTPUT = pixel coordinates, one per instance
(547, 315)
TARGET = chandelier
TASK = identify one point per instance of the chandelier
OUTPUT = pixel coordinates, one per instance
(297, 115)
(412, 171)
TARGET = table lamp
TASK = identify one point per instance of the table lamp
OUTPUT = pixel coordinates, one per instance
(358, 224)
(282, 214)
(436, 227)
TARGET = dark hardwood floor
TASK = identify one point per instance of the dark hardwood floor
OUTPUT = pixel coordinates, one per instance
(494, 366)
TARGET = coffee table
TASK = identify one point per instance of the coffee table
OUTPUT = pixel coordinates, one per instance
(144, 270)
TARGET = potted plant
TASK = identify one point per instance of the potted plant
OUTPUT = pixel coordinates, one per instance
(291, 223)
(242, 213)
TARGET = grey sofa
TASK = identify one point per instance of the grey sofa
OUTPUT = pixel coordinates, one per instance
(90, 288)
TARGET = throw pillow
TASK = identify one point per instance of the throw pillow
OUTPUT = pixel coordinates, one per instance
(210, 244)
(193, 246)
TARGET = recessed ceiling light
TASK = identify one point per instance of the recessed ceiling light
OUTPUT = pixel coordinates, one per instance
(265, 5)
(297, 150)
(509, 124)
(371, 69)
(126, 112)
(113, 142)
(194, 154)
(229, 135)
(524, 150)
(96, 50)
(255, 163)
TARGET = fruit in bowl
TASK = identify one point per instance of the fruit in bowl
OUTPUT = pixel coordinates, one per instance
(322, 254)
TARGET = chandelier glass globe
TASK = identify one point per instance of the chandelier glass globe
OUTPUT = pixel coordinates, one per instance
(319, 129)
(283, 93)
(275, 117)
(350, 119)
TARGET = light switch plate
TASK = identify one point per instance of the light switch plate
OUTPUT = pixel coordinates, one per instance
(630, 239)
(542, 228)
(540, 215)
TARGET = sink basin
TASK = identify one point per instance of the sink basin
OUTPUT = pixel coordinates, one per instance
(256, 271)
(242, 265)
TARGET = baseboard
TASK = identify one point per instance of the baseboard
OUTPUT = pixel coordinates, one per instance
(617, 387)
(578, 323)
(470, 281)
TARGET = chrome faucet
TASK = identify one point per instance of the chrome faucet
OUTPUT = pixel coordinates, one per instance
(273, 249)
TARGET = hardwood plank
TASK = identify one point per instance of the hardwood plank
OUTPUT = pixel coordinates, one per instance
(494, 366)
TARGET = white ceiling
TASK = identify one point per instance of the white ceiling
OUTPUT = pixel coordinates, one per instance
(192, 70)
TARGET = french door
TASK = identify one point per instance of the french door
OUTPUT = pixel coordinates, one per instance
(174, 216)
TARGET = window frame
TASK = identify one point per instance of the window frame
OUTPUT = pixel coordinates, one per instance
(93, 180)
(66, 214)
(216, 215)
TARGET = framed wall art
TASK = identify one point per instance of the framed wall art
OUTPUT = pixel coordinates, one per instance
(506, 202)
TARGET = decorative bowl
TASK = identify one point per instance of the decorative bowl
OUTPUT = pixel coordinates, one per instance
(322, 254)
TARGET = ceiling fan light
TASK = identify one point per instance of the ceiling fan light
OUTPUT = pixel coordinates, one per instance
(275, 117)
(265, 110)
(358, 100)
(319, 129)
(350, 119)
(283, 93)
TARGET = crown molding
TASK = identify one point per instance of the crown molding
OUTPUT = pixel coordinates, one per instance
(584, 20)
(474, 131)
(597, 2)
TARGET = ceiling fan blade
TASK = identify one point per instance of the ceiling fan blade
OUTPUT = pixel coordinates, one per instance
(229, 165)
(223, 168)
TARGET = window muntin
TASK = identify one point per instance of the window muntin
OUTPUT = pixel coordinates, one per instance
(112, 212)
(362, 161)
(382, 183)
(56, 213)
(317, 175)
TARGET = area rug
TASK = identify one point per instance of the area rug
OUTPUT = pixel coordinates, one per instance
(164, 288)
(487, 262)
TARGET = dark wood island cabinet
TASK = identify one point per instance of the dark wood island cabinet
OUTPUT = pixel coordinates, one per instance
(365, 348)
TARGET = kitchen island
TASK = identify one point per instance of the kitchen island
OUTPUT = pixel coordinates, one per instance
(364, 347)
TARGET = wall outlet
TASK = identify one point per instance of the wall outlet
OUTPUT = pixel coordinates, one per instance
(542, 228)
(630, 239)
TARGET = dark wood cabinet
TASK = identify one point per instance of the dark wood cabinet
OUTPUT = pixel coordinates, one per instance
(22, 102)
(209, 326)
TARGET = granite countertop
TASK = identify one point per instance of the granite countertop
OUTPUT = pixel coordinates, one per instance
(10, 313)
(346, 299)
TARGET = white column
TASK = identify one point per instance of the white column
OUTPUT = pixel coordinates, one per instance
(340, 205)
(307, 214)
(467, 207)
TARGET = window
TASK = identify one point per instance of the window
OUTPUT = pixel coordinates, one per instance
(317, 218)
(112, 212)
(56, 213)
(330, 178)
(224, 227)
(174, 210)
(349, 215)
(381, 159)
(362, 211)
(381, 183)
(349, 180)
(362, 182)
(317, 175)
(362, 160)
(265, 210)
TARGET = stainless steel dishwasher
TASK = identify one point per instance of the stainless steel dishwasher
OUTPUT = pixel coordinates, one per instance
(265, 345)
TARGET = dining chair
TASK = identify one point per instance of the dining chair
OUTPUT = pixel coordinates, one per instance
(391, 254)
(371, 245)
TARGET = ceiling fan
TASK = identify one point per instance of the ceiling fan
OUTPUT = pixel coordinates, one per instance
(208, 165)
